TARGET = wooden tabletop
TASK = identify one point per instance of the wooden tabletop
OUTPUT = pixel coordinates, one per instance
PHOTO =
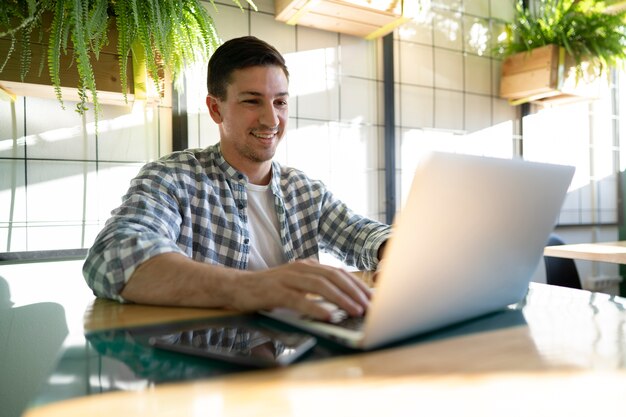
(563, 355)
(614, 252)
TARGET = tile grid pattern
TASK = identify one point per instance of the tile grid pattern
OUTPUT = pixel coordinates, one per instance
(58, 179)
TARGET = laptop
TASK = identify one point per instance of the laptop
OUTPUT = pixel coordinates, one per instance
(466, 243)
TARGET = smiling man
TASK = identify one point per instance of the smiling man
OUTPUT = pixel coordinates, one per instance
(227, 226)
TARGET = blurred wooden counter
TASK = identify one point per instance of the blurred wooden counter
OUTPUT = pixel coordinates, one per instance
(559, 352)
(614, 252)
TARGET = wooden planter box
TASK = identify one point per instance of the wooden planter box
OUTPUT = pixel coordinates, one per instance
(546, 75)
(353, 17)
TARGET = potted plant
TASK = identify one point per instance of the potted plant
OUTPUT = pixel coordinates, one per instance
(560, 48)
(165, 35)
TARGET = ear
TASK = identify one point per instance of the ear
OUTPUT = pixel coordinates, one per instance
(213, 103)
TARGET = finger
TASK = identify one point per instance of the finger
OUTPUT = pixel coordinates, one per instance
(354, 287)
(317, 283)
(309, 307)
(362, 282)
(299, 301)
(349, 285)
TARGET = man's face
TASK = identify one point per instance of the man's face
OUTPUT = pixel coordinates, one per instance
(253, 117)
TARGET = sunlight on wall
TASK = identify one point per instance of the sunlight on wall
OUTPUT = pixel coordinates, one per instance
(449, 29)
(59, 183)
(478, 38)
(195, 88)
(558, 142)
(495, 141)
(140, 115)
(303, 80)
(579, 135)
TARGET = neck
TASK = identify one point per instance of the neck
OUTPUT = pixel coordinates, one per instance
(260, 176)
(259, 173)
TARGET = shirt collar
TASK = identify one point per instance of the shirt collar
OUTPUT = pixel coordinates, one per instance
(239, 177)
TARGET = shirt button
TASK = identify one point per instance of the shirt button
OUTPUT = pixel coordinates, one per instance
(246, 241)
(240, 176)
(240, 206)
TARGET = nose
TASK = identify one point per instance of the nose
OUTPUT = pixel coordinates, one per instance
(269, 116)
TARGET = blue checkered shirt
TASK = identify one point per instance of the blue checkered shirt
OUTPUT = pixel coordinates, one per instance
(194, 203)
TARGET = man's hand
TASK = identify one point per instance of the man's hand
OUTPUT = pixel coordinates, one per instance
(172, 279)
(291, 285)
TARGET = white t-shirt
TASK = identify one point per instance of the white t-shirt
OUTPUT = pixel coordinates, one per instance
(266, 249)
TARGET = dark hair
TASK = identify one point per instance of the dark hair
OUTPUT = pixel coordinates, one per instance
(239, 53)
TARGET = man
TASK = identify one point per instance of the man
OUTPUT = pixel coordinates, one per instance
(226, 226)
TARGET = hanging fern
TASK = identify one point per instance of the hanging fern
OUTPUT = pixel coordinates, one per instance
(171, 34)
(585, 28)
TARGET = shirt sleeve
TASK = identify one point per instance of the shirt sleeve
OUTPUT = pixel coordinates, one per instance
(145, 225)
(353, 238)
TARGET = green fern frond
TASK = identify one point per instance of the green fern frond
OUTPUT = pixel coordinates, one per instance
(126, 34)
(23, 11)
(26, 55)
(10, 52)
(54, 47)
(145, 38)
(78, 17)
(97, 26)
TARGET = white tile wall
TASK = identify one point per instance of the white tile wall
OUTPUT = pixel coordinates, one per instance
(12, 191)
(308, 148)
(55, 187)
(476, 7)
(449, 110)
(416, 106)
(419, 30)
(359, 100)
(448, 26)
(280, 35)
(477, 75)
(446, 99)
(336, 109)
(415, 64)
(477, 112)
(359, 58)
(230, 21)
(113, 180)
(449, 69)
(502, 10)
(448, 50)
(11, 132)
(263, 6)
(61, 136)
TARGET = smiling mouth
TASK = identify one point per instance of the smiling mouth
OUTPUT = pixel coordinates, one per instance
(269, 135)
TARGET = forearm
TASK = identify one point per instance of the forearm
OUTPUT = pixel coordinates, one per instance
(175, 280)
(356, 240)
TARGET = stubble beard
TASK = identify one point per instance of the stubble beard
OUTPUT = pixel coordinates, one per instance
(258, 157)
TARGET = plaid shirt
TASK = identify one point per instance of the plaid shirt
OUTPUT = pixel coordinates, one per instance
(194, 203)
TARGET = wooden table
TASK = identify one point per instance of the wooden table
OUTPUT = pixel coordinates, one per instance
(559, 352)
(614, 252)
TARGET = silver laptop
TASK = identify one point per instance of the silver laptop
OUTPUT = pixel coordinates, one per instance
(466, 243)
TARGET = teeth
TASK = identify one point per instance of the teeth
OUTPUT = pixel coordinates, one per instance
(262, 136)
